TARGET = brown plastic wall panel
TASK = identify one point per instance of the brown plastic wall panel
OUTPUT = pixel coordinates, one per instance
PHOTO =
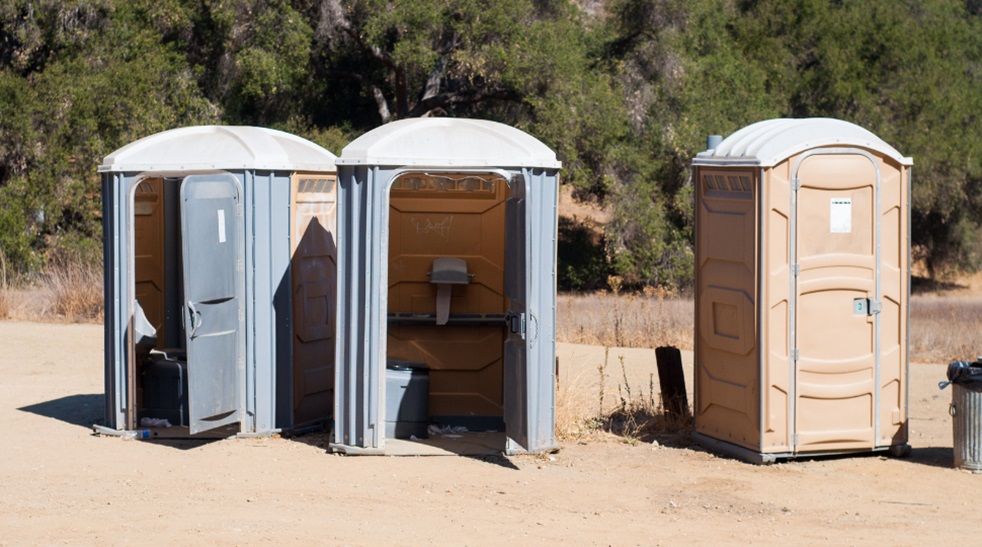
(454, 215)
(314, 267)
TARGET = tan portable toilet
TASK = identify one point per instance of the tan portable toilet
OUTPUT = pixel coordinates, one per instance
(802, 290)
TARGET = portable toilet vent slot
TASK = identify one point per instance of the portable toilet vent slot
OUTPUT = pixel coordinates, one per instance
(447, 272)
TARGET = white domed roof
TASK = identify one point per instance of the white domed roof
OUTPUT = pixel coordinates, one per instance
(770, 142)
(207, 147)
(448, 142)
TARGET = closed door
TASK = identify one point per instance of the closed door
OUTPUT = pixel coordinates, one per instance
(836, 302)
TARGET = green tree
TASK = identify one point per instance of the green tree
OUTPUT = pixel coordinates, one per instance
(685, 76)
(907, 71)
(523, 63)
(78, 82)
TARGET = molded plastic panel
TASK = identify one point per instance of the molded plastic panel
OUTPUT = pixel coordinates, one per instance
(148, 250)
(314, 266)
(212, 233)
(450, 216)
(837, 231)
(726, 329)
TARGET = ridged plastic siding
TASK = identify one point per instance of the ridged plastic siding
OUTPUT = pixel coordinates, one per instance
(966, 411)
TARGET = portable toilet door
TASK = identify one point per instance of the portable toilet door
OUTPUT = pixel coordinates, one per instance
(838, 299)
(220, 280)
(212, 241)
(475, 197)
(802, 291)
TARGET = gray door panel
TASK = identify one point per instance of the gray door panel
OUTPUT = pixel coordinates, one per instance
(516, 342)
(211, 238)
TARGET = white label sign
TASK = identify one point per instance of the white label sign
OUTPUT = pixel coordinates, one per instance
(221, 225)
(840, 216)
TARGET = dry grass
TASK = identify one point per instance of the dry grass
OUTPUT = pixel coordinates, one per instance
(585, 409)
(584, 406)
(76, 290)
(629, 321)
(70, 292)
(576, 410)
(945, 328)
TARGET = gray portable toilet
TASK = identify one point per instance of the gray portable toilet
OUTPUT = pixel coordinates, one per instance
(220, 269)
(802, 291)
(447, 260)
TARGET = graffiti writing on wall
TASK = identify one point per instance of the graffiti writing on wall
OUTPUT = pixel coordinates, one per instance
(429, 226)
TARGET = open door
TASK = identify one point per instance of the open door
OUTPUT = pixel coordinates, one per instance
(516, 393)
(837, 302)
(212, 237)
(148, 250)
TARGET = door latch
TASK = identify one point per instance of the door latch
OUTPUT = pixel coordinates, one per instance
(866, 306)
(516, 323)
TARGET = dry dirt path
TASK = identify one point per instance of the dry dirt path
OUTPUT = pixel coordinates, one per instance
(60, 484)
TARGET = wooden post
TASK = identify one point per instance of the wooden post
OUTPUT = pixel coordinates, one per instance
(672, 381)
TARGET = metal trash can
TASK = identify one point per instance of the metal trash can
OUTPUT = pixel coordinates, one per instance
(966, 414)
(407, 394)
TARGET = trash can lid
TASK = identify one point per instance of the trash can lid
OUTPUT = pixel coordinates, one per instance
(965, 374)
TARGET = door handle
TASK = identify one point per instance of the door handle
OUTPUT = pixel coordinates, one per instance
(866, 306)
(194, 320)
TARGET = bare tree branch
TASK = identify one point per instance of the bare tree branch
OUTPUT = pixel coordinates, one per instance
(443, 100)
(333, 18)
(383, 105)
(436, 75)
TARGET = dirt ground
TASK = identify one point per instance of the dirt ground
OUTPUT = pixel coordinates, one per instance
(59, 483)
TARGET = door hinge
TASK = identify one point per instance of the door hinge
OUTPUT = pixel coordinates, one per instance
(795, 439)
(796, 184)
(517, 323)
(795, 269)
(794, 355)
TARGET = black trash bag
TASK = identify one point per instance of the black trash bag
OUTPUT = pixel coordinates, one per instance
(966, 374)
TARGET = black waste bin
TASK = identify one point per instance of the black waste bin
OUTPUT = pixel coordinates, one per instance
(165, 387)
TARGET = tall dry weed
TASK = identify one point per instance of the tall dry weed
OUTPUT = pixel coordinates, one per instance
(585, 412)
(75, 290)
(647, 320)
(576, 416)
(641, 415)
(612, 319)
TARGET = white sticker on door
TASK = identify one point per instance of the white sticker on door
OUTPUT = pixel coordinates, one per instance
(840, 216)
(221, 225)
